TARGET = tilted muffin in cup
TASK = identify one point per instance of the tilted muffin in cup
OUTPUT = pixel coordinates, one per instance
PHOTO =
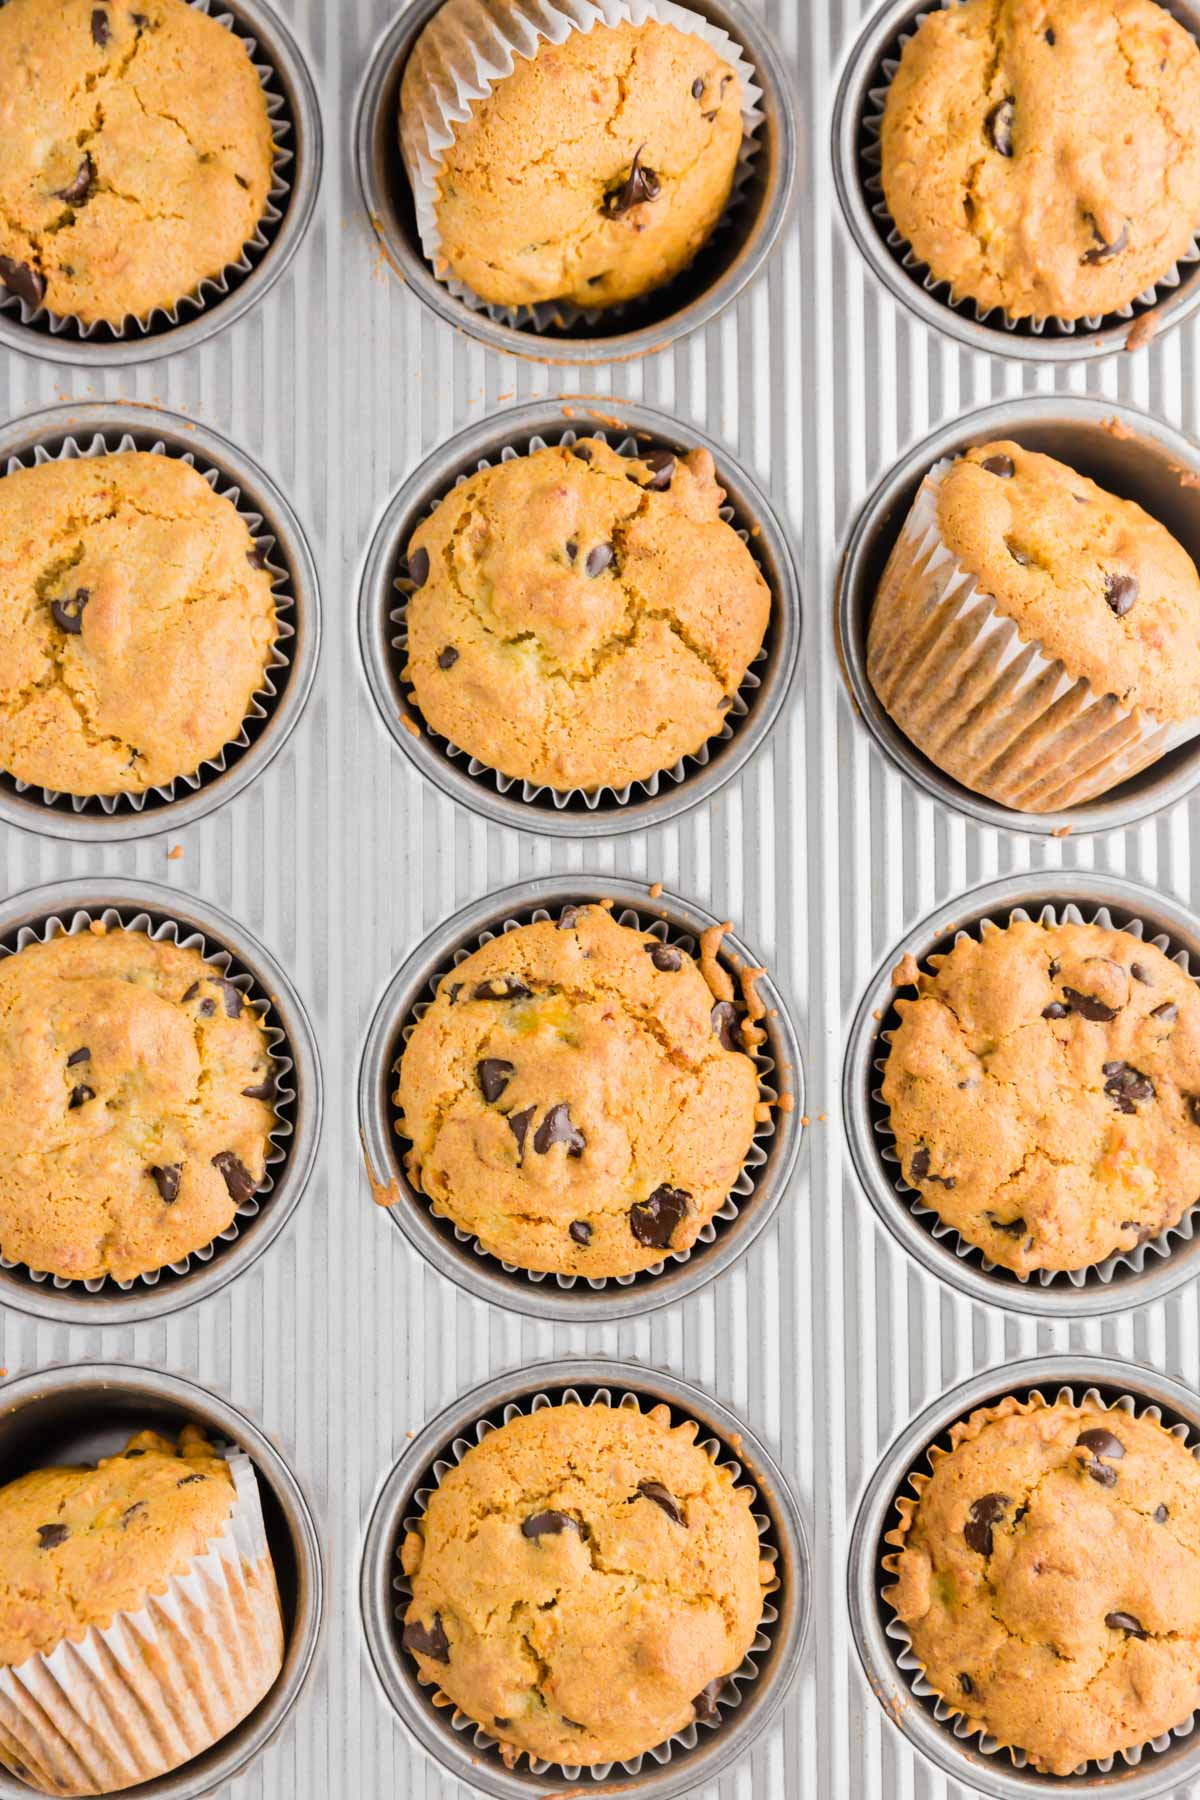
(1043, 1089)
(1036, 637)
(136, 622)
(582, 619)
(583, 1582)
(1048, 1575)
(135, 156)
(1042, 158)
(139, 1613)
(574, 151)
(577, 1098)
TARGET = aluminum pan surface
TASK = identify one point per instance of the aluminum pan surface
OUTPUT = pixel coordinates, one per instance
(339, 859)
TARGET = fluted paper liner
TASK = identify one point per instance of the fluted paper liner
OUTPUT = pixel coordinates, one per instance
(467, 48)
(906, 1505)
(158, 1686)
(986, 707)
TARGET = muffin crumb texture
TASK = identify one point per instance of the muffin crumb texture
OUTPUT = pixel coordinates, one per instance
(1048, 1572)
(583, 1582)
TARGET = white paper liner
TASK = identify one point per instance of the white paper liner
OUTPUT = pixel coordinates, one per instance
(278, 666)
(914, 1670)
(605, 795)
(917, 1204)
(725, 1216)
(211, 288)
(158, 1686)
(473, 52)
(1052, 325)
(730, 1696)
(278, 1049)
(1026, 715)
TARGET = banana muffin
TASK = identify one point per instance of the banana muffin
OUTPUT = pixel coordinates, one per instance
(593, 172)
(135, 158)
(576, 1097)
(1043, 156)
(583, 1582)
(136, 622)
(1048, 1573)
(1044, 1092)
(582, 619)
(135, 1086)
(1035, 636)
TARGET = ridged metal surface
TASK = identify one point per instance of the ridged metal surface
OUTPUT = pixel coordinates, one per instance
(340, 1341)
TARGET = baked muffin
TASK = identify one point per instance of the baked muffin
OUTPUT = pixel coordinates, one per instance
(582, 619)
(1048, 1573)
(1044, 1092)
(575, 1100)
(1036, 637)
(1043, 156)
(83, 1553)
(135, 158)
(593, 172)
(583, 1581)
(136, 621)
(135, 1088)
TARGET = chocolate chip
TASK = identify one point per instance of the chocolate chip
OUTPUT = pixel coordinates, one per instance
(1161, 1515)
(1121, 1621)
(582, 451)
(1054, 969)
(265, 1090)
(427, 1640)
(501, 1724)
(1144, 1232)
(131, 1512)
(501, 987)
(518, 1124)
(456, 988)
(447, 657)
(99, 27)
(51, 1536)
(581, 1231)
(1049, 36)
(639, 185)
(1020, 1512)
(966, 1684)
(256, 559)
(1000, 125)
(724, 1021)
(1088, 1007)
(568, 918)
(82, 1055)
(573, 1723)
(1013, 1228)
(556, 1128)
(418, 566)
(920, 1169)
(1101, 1442)
(493, 1075)
(663, 464)
(697, 87)
(572, 549)
(1168, 1012)
(985, 1513)
(708, 117)
(1193, 1102)
(1126, 1085)
(166, 1178)
(550, 1524)
(187, 1480)
(22, 281)
(664, 957)
(67, 613)
(1120, 591)
(236, 1176)
(705, 1704)
(1101, 1473)
(230, 994)
(1018, 555)
(79, 186)
(661, 1496)
(598, 559)
(207, 1008)
(191, 993)
(1000, 465)
(1141, 974)
(653, 1221)
(80, 1097)
(1055, 1010)
(1101, 252)
(133, 1453)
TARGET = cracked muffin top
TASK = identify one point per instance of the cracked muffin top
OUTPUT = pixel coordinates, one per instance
(1044, 1092)
(135, 1087)
(583, 1581)
(582, 619)
(1049, 1575)
(1043, 156)
(593, 173)
(577, 1097)
(1090, 578)
(135, 153)
(78, 1545)
(136, 622)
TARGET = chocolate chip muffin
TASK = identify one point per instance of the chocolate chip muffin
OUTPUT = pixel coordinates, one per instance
(593, 172)
(135, 1087)
(582, 619)
(1044, 1092)
(1049, 1575)
(136, 622)
(1035, 636)
(1043, 156)
(135, 158)
(583, 1582)
(575, 1099)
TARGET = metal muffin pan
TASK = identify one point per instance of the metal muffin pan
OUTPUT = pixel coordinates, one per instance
(1125, 451)
(63, 341)
(287, 551)
(684, 1770)
(459, 1257)
(109, 1305)
(378, 598)
(854, 166)
(1160, 1772)
(77, 1414)
(731, 258)
(866, 1117)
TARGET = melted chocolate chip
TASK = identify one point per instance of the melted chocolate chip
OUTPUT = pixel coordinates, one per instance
(265, 1090)
(131, 1512)
(1088, 1007)
(639, 185)
(1000, 465)
(79, 186)
(572, 549)
(501, 1724)
(598, 559)
(1000, 125)
(1050, 37)
(1055, 1010)
(984, 1513)
(921, 1172)
(1123, 1621)
(582, 451)
(501, 987)
(698, 87)
(447, 657)
(1161, 1515)
(22, 281)
(1020, 1512)
(581, 1231)
(1102, 252)
(550, 1524)
(166, 1178)
(1014, 1228)
(236, 1176)
(456, 988)
(1193, 1103)
(99, 27)
(1126, 1085)
(82, 1055)
(1168, 1012)
(67, 613)
(1100, 1473)
(705, 1704)
(230, 994)
(663, 465)
(1141, 974)
(518, 1124)
(966, 1684)
(724, 1021)
(493, 1075)
(418, 566)
(80, 1097)
(187, 1480)
(1120, 591)
(661, 1496)
(427, 1640)
(1101, 1442)
(653, 1221)
(51, 1536)
(665, 957)
(556, 1128)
